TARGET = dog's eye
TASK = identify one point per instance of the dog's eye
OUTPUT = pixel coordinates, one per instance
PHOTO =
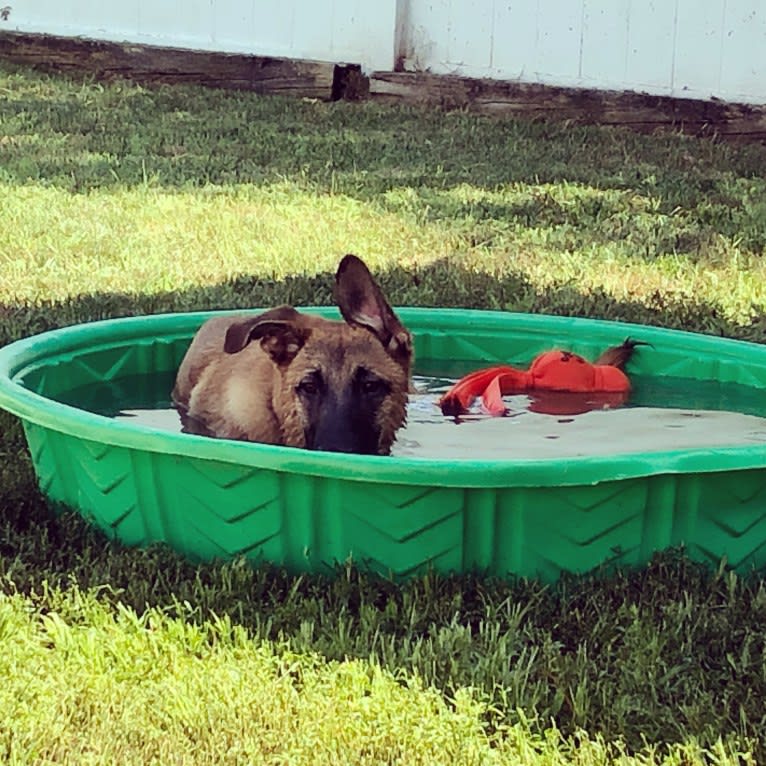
(373, 386)
(309, 386)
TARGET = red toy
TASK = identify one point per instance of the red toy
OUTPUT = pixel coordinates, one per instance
(562, 372)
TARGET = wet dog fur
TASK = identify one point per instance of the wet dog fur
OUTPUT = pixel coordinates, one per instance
(289, 378)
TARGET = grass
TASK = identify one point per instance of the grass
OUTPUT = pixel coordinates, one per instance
(116, 199)
(178, 187)
(89, 685)
(179, 692)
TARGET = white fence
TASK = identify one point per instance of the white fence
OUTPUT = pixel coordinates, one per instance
(342, 31)
(684, 48)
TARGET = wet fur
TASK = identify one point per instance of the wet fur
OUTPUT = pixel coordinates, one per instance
(251, 377)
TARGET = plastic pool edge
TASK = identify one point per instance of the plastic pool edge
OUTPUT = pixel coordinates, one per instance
(37, 409)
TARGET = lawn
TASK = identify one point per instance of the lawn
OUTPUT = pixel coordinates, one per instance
(117, 199)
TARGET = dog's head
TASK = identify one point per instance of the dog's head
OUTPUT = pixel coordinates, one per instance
(344, 386)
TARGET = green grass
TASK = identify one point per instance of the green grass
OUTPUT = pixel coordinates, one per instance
(154, 190)
(85, 684)
(116, 199)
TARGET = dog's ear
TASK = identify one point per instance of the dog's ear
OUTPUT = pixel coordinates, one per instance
(281, 336)
(238, 334)
(362, 303)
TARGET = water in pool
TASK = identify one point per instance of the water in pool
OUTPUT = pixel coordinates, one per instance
(662, 414)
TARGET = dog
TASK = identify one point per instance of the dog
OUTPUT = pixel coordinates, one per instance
(298, 380)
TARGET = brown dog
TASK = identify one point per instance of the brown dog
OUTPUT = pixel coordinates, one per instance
(307, 382)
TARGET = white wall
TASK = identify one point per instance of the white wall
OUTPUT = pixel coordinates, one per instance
(683, 48)
(341, 31)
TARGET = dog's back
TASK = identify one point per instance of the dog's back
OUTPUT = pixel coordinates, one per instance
(202, 396)
(208, 380)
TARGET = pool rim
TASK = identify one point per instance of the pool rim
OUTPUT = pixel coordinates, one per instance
(539, 472)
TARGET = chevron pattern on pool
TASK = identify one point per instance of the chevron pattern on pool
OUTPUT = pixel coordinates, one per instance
(214, 510)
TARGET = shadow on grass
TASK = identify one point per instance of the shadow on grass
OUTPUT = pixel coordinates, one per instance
(82, 136)
(443, 283)
(660, 654)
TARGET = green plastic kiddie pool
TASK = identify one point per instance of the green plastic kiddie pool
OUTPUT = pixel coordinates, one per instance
(308, 511)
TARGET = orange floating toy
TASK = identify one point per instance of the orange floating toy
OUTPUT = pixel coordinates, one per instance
(551, 371)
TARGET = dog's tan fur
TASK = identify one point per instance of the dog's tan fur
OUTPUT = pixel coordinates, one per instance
(230, 387)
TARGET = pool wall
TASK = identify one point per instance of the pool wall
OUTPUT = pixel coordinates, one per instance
(310, 511)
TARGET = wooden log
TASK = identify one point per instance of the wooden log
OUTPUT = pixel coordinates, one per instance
(328, 81)
(633, 110)
(150, 64)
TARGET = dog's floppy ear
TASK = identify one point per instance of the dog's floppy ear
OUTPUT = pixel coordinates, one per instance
(362, 303)
(280, 334)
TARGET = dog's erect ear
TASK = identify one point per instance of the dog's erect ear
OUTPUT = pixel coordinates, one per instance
(280, 334)
(362, 303)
